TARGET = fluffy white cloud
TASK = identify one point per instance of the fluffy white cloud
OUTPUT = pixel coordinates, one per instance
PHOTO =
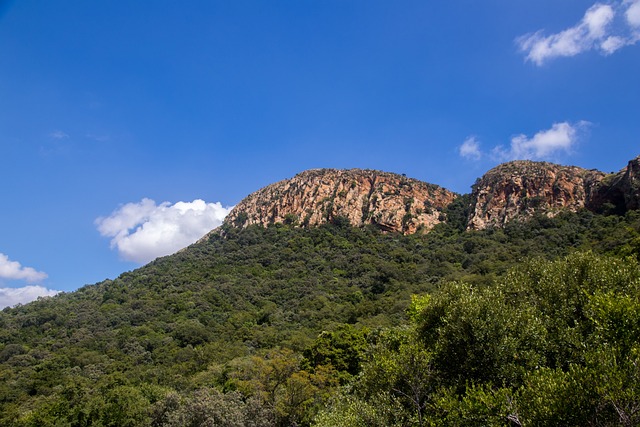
(470, 149)
(632, 14)
(12, 296)
(144, 231)
(12, 270)
(604, 27)
(544, 144)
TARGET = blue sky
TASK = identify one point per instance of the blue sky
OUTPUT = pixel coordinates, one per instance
(127, 128)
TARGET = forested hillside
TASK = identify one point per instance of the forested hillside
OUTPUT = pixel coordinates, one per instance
(268, 326)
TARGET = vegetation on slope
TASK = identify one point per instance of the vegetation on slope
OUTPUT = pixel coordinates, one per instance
(264, 326)
(550, 343)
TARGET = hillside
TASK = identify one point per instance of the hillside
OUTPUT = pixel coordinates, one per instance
(262, 323)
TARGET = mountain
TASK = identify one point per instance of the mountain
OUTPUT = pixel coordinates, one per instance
(389, 201)
(307, 287)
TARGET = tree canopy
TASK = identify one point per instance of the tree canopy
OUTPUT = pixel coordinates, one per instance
(284, 325)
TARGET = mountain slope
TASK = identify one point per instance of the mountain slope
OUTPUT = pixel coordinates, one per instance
(196, 318)
(226, 314)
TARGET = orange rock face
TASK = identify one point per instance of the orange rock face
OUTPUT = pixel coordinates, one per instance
(390, 201)
(521, 188)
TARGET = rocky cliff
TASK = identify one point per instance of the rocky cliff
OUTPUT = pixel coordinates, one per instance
(513, 190)
(389, 201)
(521, 188)
(620, 192)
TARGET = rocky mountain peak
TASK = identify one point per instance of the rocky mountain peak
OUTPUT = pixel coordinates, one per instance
(518, 189)
(390, 201)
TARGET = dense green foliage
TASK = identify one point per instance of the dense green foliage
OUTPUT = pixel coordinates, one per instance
(269, 326)
(551, 343)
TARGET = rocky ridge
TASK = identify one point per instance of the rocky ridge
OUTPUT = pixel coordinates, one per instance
(390, 201)
(519, 189)
(395, 203)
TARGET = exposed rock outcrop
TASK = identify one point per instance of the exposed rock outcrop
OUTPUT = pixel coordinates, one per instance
(620, 192)
(390, 201)
(521, 188)
(395, 203)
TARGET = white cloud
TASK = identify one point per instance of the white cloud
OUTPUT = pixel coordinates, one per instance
(470, 149)
(544, 145)
(604, 27)
(596, 20)
(12, 296)
(613, 43)
(144, 231)
(633, 13)
(562, 137)
(12, 270)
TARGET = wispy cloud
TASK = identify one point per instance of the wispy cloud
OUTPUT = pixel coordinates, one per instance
(145, 230)
(57, 142)
(13, 270)
(470, 149)
(98, 137)
(604, 27)
(12, 296)
(58, 134)
(544, 145)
